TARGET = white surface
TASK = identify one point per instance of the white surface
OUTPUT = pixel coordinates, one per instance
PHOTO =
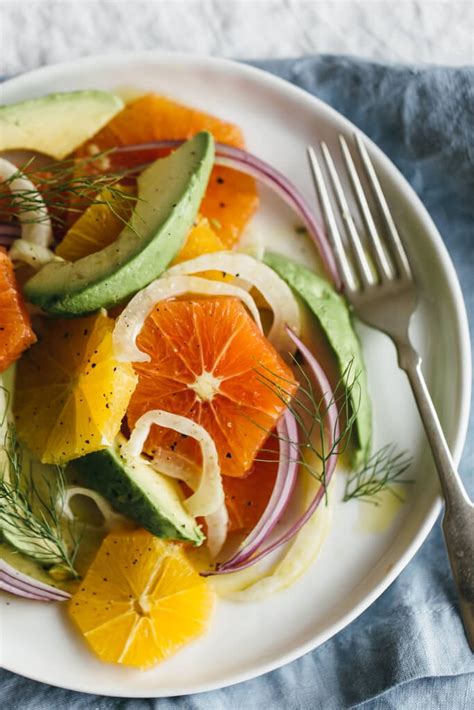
(38, 32)
(355, 565)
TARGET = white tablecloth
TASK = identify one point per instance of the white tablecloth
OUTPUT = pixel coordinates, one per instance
(36, 32)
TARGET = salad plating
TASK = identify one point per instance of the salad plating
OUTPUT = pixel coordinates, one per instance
(175, 398)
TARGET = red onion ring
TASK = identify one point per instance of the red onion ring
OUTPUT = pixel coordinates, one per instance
(8, 234)
(9, 230)
(17, 592)
(26, 586)
(284, 484)
(333, 435)
(243, 161)
(24, 591)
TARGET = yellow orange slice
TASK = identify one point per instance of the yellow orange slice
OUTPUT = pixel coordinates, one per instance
(98, 226)
(71, 393)
(141, 600)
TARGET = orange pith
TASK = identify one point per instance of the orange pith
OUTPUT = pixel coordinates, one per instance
(140, 601)
(16, 333)
(206, 356)
(231, 198)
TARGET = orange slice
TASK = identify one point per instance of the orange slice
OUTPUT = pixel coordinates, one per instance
(155, 118)
(16, 333)
(231, 198)
(202, 239)
(230, 201)
(141, 600)
(98, 226)
(246, 498)
(71, 394)
(206, 355)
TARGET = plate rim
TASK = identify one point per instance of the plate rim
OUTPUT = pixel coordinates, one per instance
(461, 325)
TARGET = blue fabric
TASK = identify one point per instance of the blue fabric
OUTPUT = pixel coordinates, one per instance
(408, 650)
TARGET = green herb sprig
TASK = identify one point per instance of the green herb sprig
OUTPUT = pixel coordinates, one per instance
(65, 187)
(33, 521)
(384, 470)
(311, 413)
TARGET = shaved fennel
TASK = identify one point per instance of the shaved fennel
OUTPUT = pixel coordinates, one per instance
(111, 518)
(179, 467)
(275, 291)
(131, 320)
(32, 254)
(256, 583)
(35, 222)
(209, 494)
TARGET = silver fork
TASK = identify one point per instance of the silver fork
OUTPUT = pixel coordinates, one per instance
(382, 292)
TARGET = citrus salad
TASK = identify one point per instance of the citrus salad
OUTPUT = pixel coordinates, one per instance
(175, 395)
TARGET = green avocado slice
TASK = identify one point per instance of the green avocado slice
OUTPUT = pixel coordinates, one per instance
(335, 320)
(139, 492)
(169, 194)
(58, 123)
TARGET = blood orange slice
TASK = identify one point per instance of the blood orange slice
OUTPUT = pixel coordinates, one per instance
(207, 359)
(16, 333)
(246, 498)
(231, 197)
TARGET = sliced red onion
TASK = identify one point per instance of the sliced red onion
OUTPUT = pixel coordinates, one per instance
(243, 161)
(11, 580)
(287, 431)
(9, 230)
(17, 592)
(23, 590)
(332, 431)
(8, 234)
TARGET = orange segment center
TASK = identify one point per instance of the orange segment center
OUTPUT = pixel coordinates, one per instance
(206, 386)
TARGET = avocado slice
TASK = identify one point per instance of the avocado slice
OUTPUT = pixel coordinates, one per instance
(58, 123)
(136, 490)
(334, 317)
(169, 194)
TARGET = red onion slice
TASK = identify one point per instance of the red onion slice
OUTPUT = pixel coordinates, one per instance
(8, 234)
(18, 592)
(284, 484)
(22, 590)
(243, 161)
(27, 586)
(332, 428)
(6, 241)
(11, 230)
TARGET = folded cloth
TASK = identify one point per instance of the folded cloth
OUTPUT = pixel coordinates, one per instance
(408, 650)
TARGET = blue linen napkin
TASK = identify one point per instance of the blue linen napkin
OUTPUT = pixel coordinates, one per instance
(408, 650)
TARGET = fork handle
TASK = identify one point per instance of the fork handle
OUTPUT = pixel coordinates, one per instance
(458, 520)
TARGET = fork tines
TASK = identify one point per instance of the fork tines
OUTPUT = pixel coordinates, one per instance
(385, 259)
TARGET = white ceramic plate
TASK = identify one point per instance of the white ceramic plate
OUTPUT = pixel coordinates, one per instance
(356, 564)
